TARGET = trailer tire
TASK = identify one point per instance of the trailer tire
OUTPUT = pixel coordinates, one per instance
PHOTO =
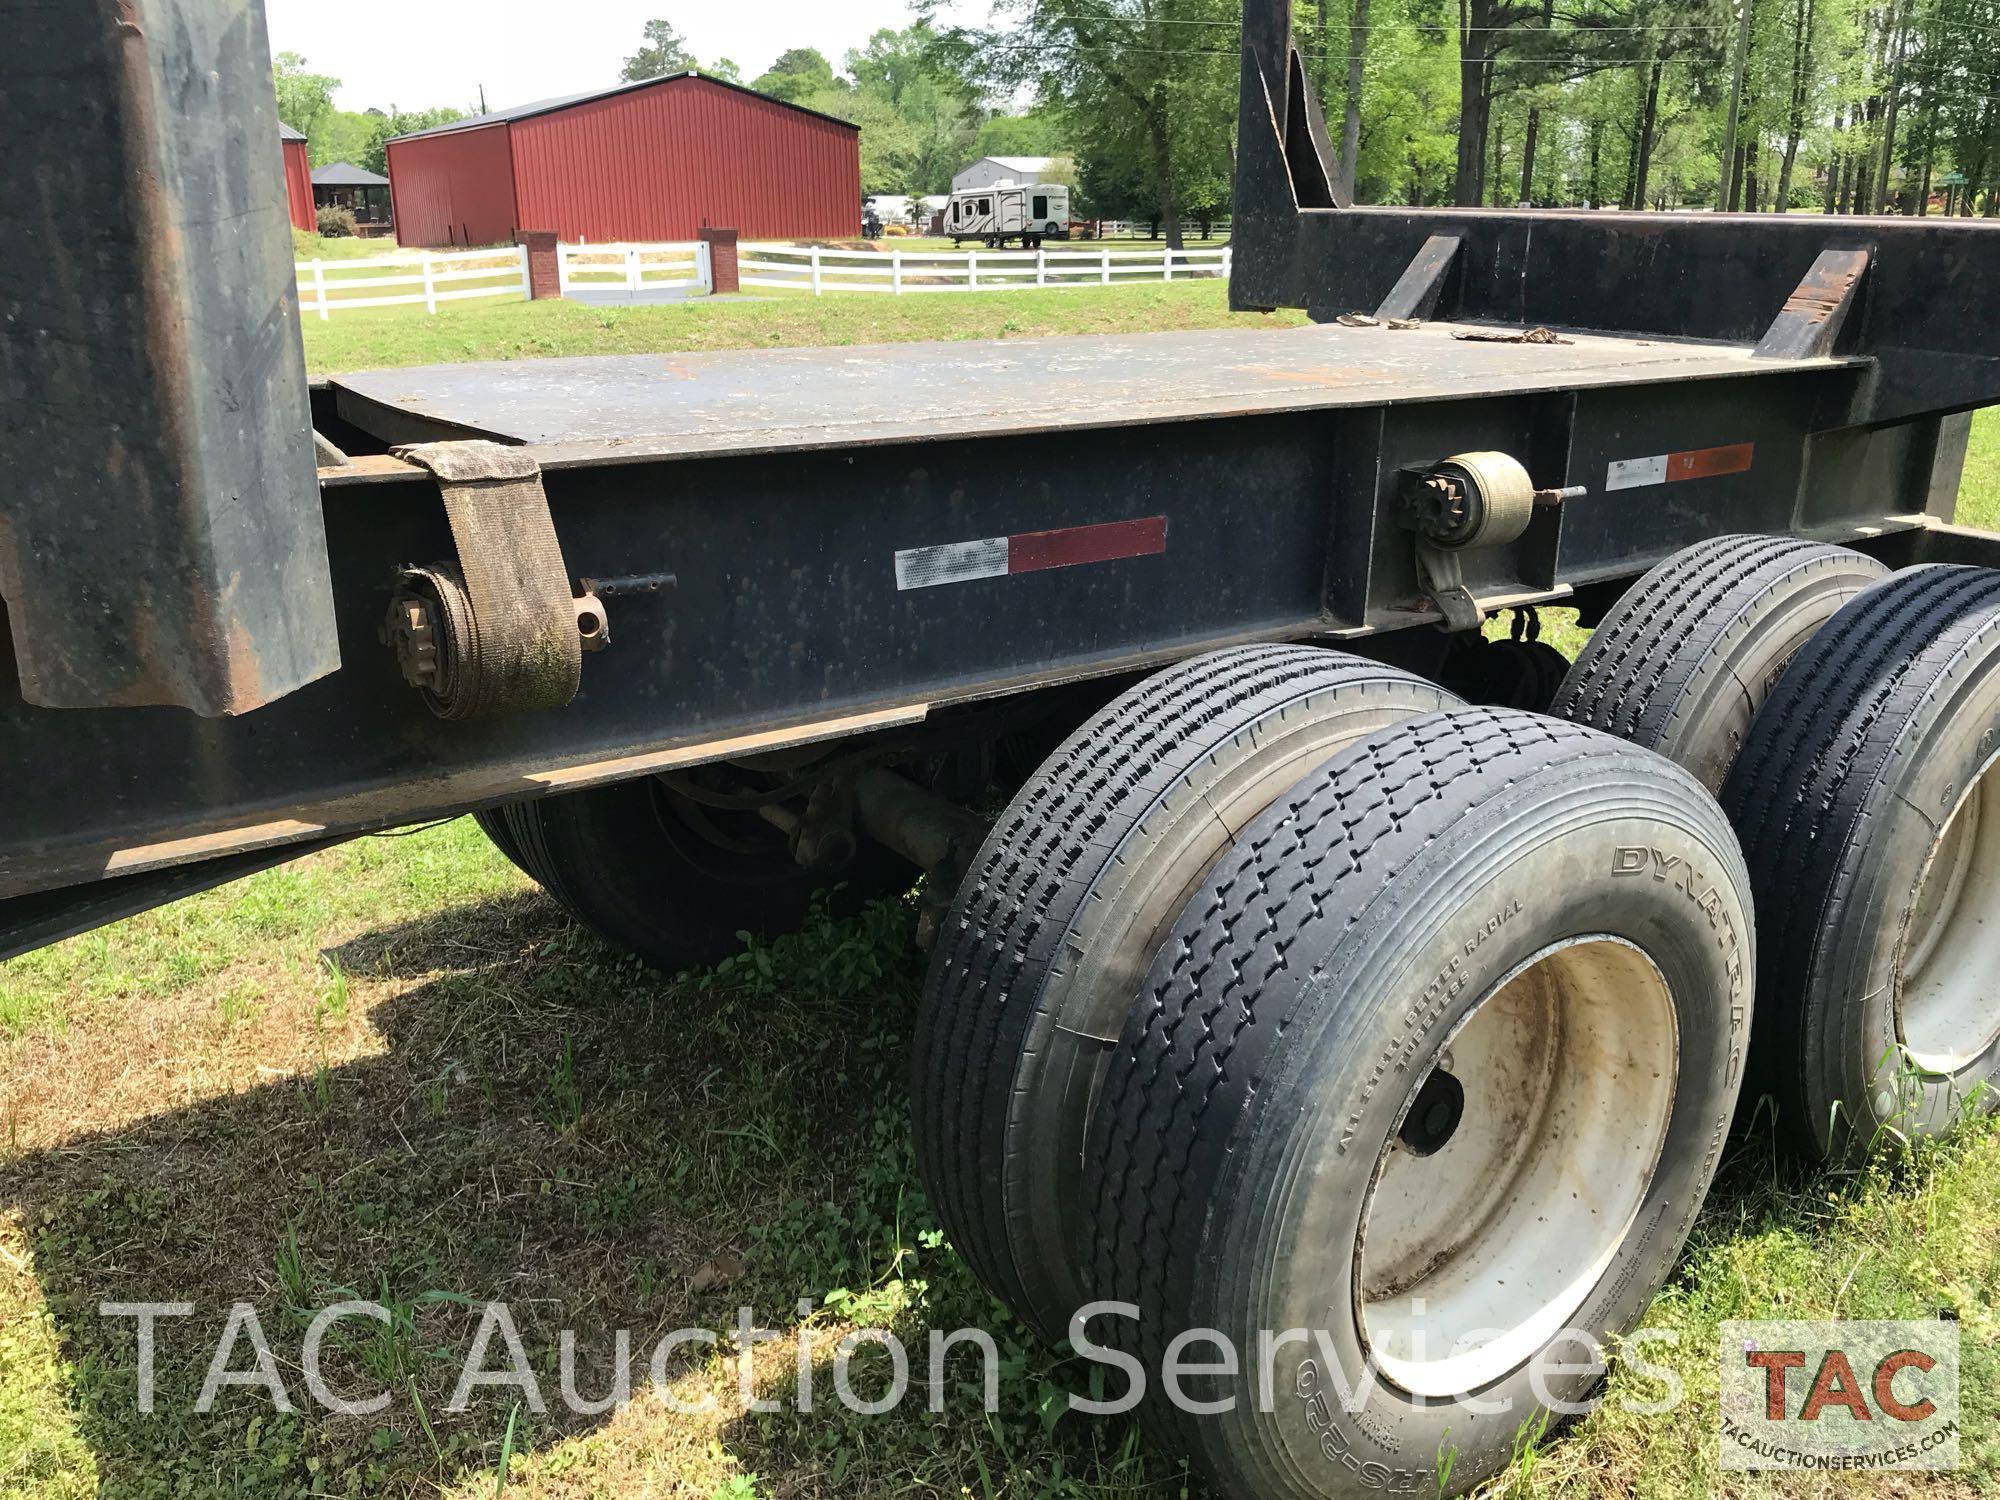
(1049, 934)
(619, 861)
(1554, 923)
(499, 830)
(1868, 803)
(1684, 658)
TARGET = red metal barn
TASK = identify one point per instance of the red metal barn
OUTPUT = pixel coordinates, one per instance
(644, 161)
(298, 179)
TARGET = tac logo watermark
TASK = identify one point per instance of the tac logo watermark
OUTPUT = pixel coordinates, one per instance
(1840, 1395)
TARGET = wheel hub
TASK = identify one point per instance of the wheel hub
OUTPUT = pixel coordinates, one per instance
(1517, 1169)
(1948, 1007)
(1435, 1116)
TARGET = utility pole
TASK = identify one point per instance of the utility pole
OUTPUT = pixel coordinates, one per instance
(1728, 176)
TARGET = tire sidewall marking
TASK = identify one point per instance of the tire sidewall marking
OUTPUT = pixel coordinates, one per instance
(1325, 1185)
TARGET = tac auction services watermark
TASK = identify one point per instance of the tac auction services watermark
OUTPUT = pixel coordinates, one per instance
(1840, 1395)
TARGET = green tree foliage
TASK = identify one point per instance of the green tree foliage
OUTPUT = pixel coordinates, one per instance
(799, 74)
(664, 52)
(1847, 106)
(1039, 132)
(304, 99)
(305, 102)
(1147, 89)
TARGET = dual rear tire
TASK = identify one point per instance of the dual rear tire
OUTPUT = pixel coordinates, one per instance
(1868, 803)
(1849, 719)
(1428, 1082)
(1291, 998)
(1422, 1086)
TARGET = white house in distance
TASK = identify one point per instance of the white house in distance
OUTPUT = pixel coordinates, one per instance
(992, 171)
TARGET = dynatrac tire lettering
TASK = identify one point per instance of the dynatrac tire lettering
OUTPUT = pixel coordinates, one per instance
(1463, 1157)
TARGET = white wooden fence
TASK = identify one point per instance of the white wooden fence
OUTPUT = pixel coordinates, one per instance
(330, 286)
(429, 280)
(633, 268)
(895, 272)
(1138, 229)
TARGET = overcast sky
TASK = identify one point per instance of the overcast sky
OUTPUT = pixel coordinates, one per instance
(419, 53)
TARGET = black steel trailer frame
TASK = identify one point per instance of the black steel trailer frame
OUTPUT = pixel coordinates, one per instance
(892, 548)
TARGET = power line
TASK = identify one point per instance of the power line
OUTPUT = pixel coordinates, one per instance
(1123, 49)
(1574, 28)
(1577, 28)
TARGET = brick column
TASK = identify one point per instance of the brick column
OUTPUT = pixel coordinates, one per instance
(721, 259)
(544, 272)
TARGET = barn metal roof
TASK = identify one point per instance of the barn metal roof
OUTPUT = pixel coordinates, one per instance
(569, 101)
(286, 133)
(346, 174)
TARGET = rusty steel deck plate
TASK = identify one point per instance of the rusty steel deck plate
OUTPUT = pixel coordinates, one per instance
(763, 400)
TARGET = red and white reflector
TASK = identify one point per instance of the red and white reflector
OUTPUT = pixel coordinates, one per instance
(1670, 468)
(1029, 552)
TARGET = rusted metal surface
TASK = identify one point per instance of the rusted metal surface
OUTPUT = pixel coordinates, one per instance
(161, 541)
(1928, 322)
(1814, 314)
(1416, 292)
(495, 629)
(633, 406)
(1087, 507)
(788, 621)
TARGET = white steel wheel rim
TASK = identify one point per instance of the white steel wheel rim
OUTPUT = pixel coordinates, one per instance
(1948, 975)
(1474, 1257)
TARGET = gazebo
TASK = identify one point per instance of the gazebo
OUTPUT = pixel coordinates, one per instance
(365, 194)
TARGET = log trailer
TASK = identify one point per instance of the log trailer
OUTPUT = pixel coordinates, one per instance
(1302, 960)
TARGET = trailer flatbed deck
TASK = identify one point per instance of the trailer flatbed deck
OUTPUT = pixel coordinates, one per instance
(762, 400)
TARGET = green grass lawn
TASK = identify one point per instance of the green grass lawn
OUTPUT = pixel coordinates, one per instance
(309, 246)
(1979, 493)
(394, 1071)
(381, 337)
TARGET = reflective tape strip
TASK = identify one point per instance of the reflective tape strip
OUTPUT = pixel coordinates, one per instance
(954, 562)
(1632, 473)
(1706, 463)
(1670, 468)
(1030, 552)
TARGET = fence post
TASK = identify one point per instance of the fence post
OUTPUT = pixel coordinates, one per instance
(319, 289)
(1225, 262)
(634, 277)
(527, 277)
(723, 266)
(1107, 267)
(896, 271)
(430, 285)
(1041, 266)
(704, 266)
(972, 270)
(1167, 263)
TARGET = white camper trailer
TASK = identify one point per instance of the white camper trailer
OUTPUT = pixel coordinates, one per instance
(1029, 212)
